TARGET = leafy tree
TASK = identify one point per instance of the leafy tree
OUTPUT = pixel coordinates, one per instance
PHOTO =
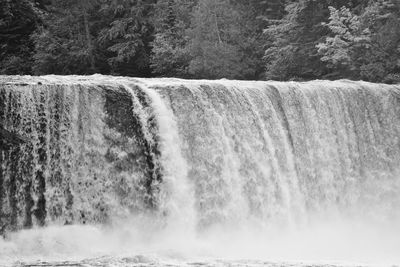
(291, 42)
(349, 39)
(365, 46)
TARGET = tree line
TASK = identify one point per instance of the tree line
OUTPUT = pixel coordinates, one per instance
(233, 39)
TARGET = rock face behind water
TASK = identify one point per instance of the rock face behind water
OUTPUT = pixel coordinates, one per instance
(90, 149)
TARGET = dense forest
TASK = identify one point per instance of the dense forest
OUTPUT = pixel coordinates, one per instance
(233, 39)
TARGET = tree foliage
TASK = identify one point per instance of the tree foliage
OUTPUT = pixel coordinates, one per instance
(170, 56)
(254, 39)
(64, 45)
(127, 36)
(18, 20)
(291, 51)
(365, 46)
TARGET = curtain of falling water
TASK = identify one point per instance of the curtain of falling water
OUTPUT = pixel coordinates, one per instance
(104, 147)
(283, 151)
(62, 160)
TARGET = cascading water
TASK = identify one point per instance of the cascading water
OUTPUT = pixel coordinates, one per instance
(193, 170)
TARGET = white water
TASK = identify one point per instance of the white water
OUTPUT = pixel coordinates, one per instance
(234, 190)
(336, 242)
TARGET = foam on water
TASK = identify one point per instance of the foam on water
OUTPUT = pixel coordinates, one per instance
(336, 243)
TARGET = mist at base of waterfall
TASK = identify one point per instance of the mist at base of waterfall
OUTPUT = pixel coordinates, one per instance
(141, 242)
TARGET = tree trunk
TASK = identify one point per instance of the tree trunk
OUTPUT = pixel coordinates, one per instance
(88, 39)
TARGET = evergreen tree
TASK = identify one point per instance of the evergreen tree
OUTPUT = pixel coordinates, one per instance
(127, 35)
(218, 42)
(291, 43)
(65, 45)
(365, 46)
(273, 39)
(18, 20)
(170, 56)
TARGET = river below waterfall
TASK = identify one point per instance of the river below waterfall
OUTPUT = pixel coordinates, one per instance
(115, 171)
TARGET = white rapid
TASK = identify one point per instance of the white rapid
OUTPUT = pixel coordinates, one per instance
(142, 172)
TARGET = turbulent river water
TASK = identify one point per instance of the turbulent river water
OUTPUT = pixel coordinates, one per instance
(116, 171)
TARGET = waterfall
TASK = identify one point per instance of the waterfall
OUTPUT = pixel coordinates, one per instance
(195, 155)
